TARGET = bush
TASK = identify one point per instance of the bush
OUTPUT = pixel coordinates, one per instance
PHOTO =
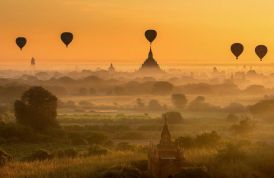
(185, 142)
(140, 164)
(208, 139)
(15, 132)
(4, 157)
(193, 173)
(243, 127)
(173, 117)
(124, 146)
(39, 155)
(79, 141)
(203, 140)
(67, 153)
(97, 138)
(231, 153)
(179, 100)
(37, 108)
(97, 150)
(122, 172)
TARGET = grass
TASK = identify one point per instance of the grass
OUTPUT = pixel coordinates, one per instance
(80, 167)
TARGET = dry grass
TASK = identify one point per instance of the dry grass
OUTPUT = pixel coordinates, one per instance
(66, 168)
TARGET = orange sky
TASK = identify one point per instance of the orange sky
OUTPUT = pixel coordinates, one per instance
(189, 31)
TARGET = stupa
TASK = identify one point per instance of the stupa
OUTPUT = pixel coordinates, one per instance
(150, 64)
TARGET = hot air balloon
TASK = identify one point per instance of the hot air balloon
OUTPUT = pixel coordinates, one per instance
(261, 51)
(21, 42)
(237, 49)
(151, 35)
(67, 38)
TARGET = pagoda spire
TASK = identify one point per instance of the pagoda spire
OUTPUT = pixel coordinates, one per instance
(150, 54)
(165, 135)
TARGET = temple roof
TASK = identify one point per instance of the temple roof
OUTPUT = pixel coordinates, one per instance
(150, 62)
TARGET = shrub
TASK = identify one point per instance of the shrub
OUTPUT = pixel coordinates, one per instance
(39, 155)
(207, 139)
(97, 150)
(140, 164)
(15, 132)
(243, 127)
(4, 157)
(79, 141)
(97, 138)
(122, 172)
(185, 142)
(193, 173)
(124, 146)
(67, 153)
(231, 153)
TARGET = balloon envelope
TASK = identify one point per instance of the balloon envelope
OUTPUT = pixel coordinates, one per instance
(261, 51)
(21, 42)
(151, 35)
(237, 49)
(67, 38)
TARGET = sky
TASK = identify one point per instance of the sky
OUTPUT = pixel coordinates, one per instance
(189, 31)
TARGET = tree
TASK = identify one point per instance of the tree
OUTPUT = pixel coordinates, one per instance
(179, 100)
(154, 105)
(37, 108)
(162, 88)
(173, 117)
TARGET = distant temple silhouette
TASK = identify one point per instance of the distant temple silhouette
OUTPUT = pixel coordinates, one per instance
(150, 64)
(165, 159)
(111, 68)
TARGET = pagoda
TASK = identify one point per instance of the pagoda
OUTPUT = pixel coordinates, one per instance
(150, 64)
(165, 159)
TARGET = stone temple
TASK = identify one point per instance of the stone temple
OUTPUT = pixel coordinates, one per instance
(150, 64)
(165, 159)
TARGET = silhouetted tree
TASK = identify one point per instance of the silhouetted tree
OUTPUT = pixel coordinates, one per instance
(173, 117)
(162, 88)
(179, 100)
(37, 108)
(154, 105)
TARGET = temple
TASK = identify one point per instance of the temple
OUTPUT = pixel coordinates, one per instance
(165, 159)
(111, 68)
(150, 64)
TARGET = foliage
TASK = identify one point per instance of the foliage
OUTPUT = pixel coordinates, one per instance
(122, 172)
(67, 153)
(245, 126)
(97, 150)
(124, 146)
(40, 155)
(193, 173)
(37, 109)
(232, 117)
(207, 139)
(162, 88)
(263, 109)
(173, 117)
(4, 158)
(179, 100)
